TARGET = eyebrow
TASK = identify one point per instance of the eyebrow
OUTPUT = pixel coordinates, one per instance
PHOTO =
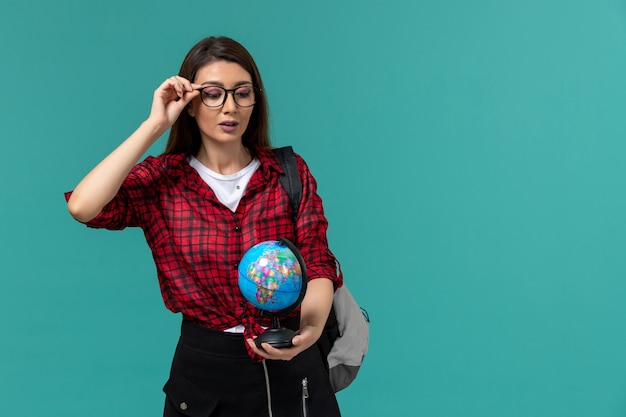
(221, 84)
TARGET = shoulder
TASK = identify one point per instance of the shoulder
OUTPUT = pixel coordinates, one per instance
(158, 166)
(269, 159)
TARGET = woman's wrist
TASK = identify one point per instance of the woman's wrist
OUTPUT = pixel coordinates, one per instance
(154, 128)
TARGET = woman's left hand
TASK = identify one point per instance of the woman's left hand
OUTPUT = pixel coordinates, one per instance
(313, 314)
(306, 337)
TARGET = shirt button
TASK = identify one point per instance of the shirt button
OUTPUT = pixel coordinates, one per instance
(237, 229)
(183, 406)
(235, 264)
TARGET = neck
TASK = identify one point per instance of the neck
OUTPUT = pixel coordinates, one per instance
(226, 159)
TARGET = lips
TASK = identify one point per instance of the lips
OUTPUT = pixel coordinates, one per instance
(228, 126)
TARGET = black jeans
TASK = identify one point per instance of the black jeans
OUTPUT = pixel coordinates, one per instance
(212, 375)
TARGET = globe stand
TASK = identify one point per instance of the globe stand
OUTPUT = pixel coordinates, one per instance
(276, 336)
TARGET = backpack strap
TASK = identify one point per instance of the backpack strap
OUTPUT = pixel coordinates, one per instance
(290, 179)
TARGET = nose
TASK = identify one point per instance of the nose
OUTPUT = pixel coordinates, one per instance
(229, 105)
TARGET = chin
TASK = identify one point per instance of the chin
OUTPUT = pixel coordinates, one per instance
(224, 139)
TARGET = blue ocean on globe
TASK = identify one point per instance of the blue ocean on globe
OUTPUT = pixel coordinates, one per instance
(270, 277)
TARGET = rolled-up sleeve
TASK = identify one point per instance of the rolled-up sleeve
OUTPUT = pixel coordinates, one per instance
(130, 206)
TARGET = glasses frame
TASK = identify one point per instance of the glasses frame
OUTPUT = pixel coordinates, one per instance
(232, 92)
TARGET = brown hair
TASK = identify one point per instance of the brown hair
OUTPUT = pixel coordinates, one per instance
(184, 134)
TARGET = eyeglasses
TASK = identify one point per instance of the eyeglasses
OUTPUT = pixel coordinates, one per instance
(214, 96)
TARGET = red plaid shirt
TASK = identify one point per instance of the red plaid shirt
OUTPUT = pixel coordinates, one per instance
(197, 242)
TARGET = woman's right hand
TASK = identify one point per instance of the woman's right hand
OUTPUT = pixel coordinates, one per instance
(170, 99)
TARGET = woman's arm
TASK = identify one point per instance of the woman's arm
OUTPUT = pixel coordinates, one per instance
(103, 182)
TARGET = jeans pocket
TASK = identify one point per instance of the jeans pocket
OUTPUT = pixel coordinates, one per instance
(184, 398)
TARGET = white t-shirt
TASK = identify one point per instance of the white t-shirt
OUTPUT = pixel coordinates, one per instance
(227, 188)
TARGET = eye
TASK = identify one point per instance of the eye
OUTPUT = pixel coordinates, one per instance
(212, 92)
(244, 92)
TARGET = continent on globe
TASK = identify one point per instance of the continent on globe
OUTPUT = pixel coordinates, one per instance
(270, 276)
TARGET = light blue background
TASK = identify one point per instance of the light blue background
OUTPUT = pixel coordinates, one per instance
(470, 155)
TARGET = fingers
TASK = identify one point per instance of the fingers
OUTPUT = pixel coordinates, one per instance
(179, 84)
(272, 353)
(176, 88)
(300, 343)
(171, 98)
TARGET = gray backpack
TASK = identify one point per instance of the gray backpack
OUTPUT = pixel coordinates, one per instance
(346, 335)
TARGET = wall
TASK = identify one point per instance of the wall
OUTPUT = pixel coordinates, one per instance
(469, 154)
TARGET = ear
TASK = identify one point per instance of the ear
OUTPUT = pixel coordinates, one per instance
(190, 110)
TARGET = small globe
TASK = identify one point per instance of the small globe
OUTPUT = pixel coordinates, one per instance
(270, 276)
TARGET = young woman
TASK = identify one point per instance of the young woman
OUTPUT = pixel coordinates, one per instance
(213, 194)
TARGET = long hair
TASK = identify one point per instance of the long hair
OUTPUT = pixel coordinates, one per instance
(184, 134)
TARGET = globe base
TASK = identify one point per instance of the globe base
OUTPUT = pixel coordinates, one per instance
(278, 338)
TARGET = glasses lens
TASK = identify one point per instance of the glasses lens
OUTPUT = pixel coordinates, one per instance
(213, 96)
(244, 96)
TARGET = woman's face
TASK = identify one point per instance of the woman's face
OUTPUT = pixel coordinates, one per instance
(228, 122)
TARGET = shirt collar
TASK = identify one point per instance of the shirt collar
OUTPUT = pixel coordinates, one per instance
(178, 169)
